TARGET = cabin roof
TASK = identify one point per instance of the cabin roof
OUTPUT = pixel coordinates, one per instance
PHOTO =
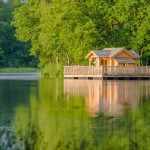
(135, 55)
(106, 52)
(110, 52)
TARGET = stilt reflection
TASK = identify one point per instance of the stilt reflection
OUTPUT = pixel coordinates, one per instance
(109, 97)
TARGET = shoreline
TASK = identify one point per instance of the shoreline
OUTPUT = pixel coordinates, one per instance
(19, 70)
(20, 76)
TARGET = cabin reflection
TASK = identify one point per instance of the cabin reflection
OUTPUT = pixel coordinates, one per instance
(108, 97)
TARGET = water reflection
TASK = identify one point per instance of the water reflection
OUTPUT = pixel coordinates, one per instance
(53, 122)
(57, 121)
(12, 94)
(109, 97)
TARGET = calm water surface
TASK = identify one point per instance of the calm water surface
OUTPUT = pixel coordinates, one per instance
(75, 114)
(109, 97)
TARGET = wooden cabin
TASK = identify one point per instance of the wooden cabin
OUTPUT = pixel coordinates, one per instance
(113, 57)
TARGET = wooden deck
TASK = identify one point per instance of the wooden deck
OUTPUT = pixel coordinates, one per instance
(91, 72)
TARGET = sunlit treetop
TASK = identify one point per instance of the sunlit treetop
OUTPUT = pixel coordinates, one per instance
(65, 34)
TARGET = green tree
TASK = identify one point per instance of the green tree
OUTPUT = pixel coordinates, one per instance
(13, 53)
(57, 34)
(66, 34)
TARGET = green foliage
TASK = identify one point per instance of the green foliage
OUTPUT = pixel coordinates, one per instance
(13, 53)
(58, 34)
(65, 34)
(52, 71)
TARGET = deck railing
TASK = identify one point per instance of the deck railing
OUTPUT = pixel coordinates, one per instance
(129, 71)
(106, 71)
(83, 70)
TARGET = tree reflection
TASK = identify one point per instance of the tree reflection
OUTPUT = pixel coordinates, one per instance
(54, 122)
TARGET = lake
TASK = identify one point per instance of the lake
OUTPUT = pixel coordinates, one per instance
(74, 114)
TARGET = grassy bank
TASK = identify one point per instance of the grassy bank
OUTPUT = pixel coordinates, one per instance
(18, 70)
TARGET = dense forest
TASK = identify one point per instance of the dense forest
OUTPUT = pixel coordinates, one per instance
(65, 30)
(13, 53)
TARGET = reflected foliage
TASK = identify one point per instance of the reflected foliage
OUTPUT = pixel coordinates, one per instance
(56, 121)
(53, 122)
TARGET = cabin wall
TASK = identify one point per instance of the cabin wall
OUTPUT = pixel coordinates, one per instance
(107, 62)
(115, 62)
(112, 62)
(123, 54)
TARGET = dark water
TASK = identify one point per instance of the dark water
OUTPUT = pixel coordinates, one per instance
(75, 114)
(14, 93)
